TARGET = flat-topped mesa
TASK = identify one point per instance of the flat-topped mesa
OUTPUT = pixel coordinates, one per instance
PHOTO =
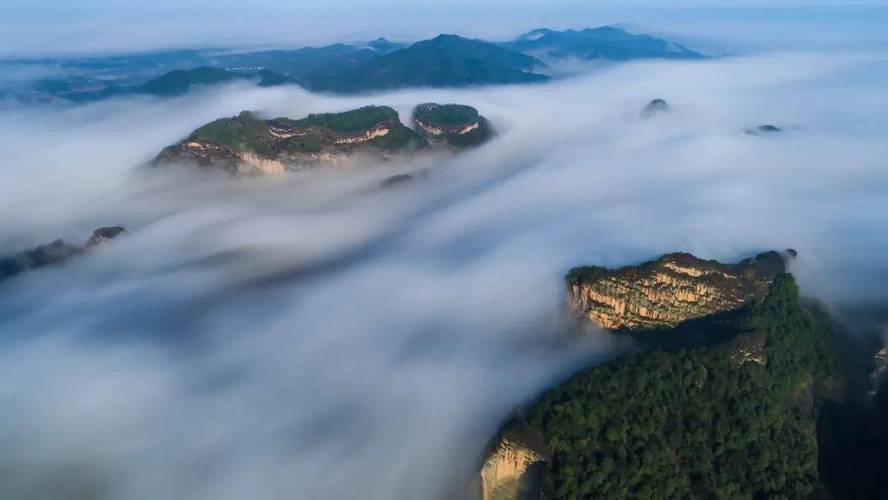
(456, 124)
(670, 290)
(247, 144)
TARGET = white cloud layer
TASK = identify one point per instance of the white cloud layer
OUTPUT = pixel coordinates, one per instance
(314, 336)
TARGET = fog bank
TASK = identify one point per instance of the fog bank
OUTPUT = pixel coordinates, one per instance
(315, 336)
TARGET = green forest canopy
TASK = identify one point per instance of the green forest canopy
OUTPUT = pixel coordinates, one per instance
(694, 423)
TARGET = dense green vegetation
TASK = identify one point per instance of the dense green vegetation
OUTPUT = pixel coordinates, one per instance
(446, 114)
(246, 132)
(399, 137)
(354, 120)
(695, 422)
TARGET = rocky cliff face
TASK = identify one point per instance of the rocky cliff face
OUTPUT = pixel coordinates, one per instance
(668, 291)
(515, 465)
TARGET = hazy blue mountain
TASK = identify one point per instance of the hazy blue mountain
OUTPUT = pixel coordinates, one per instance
(384, 46)
(91, 78)
(180, 81)
(606, 42)
(306, 60)
(444, 61)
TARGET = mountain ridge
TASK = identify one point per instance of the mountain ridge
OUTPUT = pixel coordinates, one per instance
(447, 60)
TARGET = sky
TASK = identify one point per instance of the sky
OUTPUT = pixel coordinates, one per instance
(33, 28)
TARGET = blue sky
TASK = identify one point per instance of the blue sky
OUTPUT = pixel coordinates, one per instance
(29, 27)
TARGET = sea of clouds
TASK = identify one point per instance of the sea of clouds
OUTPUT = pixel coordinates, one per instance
(318, 336)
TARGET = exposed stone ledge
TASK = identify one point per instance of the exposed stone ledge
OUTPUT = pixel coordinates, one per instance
(515, 466)
(436, 129)
(668, 291)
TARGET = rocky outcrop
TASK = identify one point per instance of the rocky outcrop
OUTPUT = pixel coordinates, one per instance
(515, 465)
(655, 107)
(670, 290)
(53, 253)
(455, 124)
(103, 235)
(764, 130)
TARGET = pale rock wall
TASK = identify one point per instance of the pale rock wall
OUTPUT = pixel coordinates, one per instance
(664, 293)
(433, 129)
(504, 470)
(364, 136)
(265, 165)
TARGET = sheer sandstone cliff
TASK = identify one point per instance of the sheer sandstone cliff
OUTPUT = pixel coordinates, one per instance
(515, 465)
(668, 291)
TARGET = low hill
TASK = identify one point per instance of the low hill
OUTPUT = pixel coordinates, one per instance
(181, 81)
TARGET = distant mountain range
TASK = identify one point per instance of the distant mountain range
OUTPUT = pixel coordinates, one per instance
(605, 42)
(443, 61)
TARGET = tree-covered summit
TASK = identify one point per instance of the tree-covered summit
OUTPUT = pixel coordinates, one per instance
(446, 114)
(347, 121)
(732, 420)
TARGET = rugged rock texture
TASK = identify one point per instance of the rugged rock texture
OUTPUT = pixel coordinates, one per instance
(246, 144)
(668, 291)
(515, 465)
(455, 124)
(655, 107)
(53, 253)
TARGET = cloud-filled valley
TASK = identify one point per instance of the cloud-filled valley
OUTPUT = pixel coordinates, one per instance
(319, 334)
